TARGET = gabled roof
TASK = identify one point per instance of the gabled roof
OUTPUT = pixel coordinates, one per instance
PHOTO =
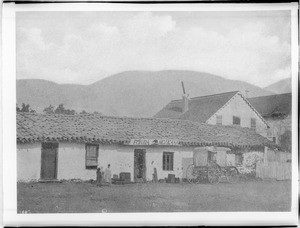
(273, 104)
(200, 108)
(120, 130)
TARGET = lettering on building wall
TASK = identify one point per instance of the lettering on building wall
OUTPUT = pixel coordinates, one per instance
(150, 142)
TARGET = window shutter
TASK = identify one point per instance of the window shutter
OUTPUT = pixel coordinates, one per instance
(91, 156)
(219, 120)
(253, 123)
(236, 120)
(168, 160)
(172, 160)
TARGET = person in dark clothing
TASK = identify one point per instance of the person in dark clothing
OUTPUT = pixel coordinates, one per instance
(99, 177)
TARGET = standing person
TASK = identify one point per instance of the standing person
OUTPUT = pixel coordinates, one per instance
(99, 177)
(107, 174)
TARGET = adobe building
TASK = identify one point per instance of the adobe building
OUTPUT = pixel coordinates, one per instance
(64, 147)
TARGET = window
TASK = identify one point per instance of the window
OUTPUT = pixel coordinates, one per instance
(253, 123)
(219, 120)
(211, 156)
(236, 120)
(238, 159)
(91, 156)
(168, 158)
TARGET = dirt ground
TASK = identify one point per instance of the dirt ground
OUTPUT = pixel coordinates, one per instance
(72, 197)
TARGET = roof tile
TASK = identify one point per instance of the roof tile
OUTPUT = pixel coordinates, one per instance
(94, 127)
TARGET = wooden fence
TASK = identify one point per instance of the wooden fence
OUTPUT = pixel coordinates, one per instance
(276, 165)
(274, 170)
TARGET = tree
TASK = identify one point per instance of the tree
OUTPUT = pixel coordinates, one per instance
(49, 110)
(61, 110)
(286, 141)
(25, 108)
(69, 112)
(85, 112)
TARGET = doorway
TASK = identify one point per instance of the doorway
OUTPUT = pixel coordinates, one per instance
(49, 161)
(139, 165)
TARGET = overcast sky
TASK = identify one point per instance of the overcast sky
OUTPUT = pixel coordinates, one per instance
(83, 47)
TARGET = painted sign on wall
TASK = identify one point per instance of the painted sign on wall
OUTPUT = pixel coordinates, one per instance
(150, 142)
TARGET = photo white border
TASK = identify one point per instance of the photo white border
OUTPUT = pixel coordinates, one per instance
(10, 216)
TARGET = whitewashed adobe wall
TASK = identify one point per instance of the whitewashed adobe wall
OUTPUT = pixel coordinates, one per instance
(28, 161)
(238, 107)
(120, 158)
(71, 161)
(154, 159)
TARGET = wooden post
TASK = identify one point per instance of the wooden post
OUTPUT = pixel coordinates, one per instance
(265, 154)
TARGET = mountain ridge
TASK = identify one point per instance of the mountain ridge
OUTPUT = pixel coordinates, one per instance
(282, 86)
(129, 93)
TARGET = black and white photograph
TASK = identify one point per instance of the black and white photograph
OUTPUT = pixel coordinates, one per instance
(152, 110)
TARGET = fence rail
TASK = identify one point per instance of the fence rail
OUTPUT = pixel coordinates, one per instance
(274, 170)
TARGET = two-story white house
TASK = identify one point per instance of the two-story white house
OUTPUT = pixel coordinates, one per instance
(230, 108)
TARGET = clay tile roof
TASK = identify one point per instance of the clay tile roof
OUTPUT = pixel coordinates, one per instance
(200, 108)
(273, 104)
(94, 127)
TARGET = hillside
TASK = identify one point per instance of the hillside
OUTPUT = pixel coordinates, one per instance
(131, 93)
(282, 86)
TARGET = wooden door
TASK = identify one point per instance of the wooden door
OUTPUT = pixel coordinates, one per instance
(186, 162)
(140, 164)
(49, 161)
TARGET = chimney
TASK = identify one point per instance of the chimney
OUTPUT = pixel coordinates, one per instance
(185, 100)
